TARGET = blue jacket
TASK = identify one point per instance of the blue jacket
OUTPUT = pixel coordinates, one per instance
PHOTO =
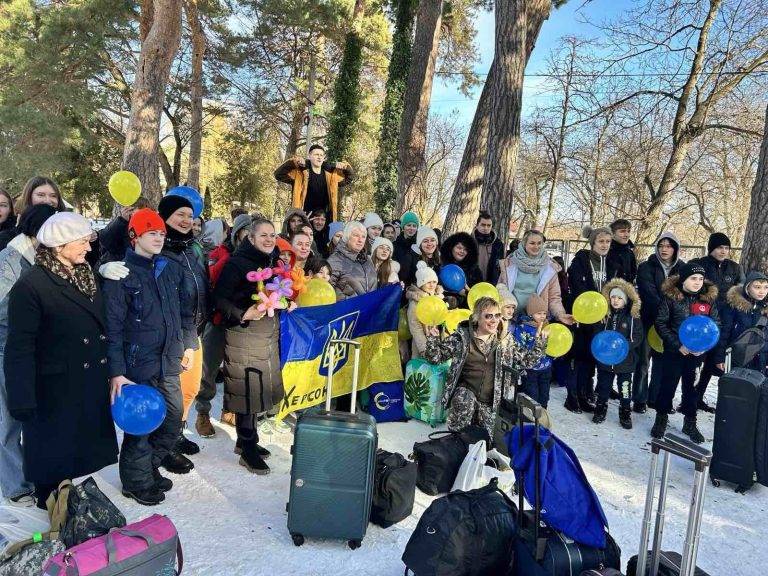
(525, 334)
(149, 319)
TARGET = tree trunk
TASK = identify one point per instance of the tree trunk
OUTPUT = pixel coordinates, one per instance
(195, 93)
(297, 123)
(148, 94)
(392, 111)
(755, 253)
(465, 201)
(346, 93)
(418, 94)
(506, 100)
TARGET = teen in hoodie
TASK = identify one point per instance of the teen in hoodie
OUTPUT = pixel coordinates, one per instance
(685, 295)
(624, 318)
(651, 274)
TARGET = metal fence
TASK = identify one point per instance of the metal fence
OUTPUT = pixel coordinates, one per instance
(568, 248)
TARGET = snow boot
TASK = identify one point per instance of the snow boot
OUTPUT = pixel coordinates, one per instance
(691, 430)
(587, 404)
(263, 452)
(161, 482)
(660, 425)
(184, 444)
(601, 411)
(640, 407)
(204, 427)
(251, 459)
(625, 418)
(704, 407)
(177, 463)
(227, 418)
(149, 497)
(572, 404)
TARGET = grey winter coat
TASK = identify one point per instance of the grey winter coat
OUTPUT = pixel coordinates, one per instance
(15, 258)
(456, 349)
(352, 274)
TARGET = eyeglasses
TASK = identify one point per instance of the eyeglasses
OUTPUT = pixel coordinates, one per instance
(496, 316)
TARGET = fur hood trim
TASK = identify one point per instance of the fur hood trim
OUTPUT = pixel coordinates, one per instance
(670, 290)
(634, 298)
(736, 298)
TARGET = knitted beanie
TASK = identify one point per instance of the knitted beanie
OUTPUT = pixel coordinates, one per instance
(716, 240)
(143, 221)
(381, 241)
(424, 274)
(169, 204)
(409, 218)
(424, 233)
(619, 293)
(373, 219)
(507, 297)
(592, 233)
(535, 304)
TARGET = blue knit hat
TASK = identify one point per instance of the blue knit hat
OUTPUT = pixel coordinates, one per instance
(334, 228)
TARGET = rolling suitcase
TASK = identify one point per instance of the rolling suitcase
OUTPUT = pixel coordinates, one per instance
(761, 437)
(541, 551)
(332, 473)
(656, 562)
(424, 387)
(733, 448)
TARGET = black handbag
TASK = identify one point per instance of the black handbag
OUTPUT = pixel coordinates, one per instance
(394, 488)
(90, 514)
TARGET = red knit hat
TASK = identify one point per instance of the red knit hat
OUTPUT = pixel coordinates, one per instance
(143, 221)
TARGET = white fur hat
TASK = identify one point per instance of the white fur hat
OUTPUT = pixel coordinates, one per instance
(63, 228)
(424, 233)
(381, 241)
(373, 219)
(424, 274)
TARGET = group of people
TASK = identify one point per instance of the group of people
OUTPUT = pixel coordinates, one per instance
(160, 297)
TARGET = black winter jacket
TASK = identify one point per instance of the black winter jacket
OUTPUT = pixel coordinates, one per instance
(408, 266)
(741, 313)
(402, 247)
(190, 256)
(626, 322)
(650, 278)
(114, 241)
(150, 319)
(468, 265)
(676, 307)
(495, 247)
(623, 260)
(725, 275)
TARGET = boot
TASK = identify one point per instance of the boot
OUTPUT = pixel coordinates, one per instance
(660, 425)
(176, 463)
(227, 418)
(149, 497)
(184, 444)
(161, 482)
(572, 404)
(704, 407)
(587, 404)
(691, 430)
(625, 418)
(601, 410)
(260, 450)
(251, 459)
(640, 407)
(204, 427)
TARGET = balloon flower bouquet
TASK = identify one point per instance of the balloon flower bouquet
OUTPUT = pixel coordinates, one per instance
(284, 288)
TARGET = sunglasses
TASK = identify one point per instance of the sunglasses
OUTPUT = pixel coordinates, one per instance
(496, 316)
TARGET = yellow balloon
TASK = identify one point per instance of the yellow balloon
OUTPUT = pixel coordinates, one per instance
(560, 340)
(590, 307)
(403, 331)
(125, 187)
(431, 311)
(318, 293)
(480, 290)
(456, 317)
(655, 341)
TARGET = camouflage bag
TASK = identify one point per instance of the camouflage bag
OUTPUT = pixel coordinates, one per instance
(29, 557)
(90, 514)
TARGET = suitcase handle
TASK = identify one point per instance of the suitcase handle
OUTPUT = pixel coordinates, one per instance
(332, 365)
(684, 448)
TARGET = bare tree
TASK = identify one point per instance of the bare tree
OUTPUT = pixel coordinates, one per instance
(195, 92)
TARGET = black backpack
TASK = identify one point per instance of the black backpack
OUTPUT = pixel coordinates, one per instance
(394, 488)
(464, 534)
(440, 458)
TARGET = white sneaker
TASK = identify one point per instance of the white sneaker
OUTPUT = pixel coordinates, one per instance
(23, 500)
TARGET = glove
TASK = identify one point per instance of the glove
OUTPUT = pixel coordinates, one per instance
(113, 271)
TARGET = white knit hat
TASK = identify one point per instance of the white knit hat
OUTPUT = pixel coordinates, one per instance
(506, 296)
(381, 241)
(619, 293)
(424, 233)
(424, 274)
(63, 228)
(373, 219)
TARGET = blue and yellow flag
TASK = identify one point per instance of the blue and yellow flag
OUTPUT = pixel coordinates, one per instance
(370, 319)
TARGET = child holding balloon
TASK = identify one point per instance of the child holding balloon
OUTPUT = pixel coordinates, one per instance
(686, 295)
(624, 320)
(426, 285)
(530, 331)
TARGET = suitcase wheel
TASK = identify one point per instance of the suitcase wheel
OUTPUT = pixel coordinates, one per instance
(741, 489)
(354, 544)
(298, 539)
(715, 482)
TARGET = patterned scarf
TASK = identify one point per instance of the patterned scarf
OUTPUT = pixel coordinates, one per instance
(529, 264)
(81, 276)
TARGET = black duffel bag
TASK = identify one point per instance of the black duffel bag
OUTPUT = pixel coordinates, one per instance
(440, 457)
(394, 488)
(464, 534)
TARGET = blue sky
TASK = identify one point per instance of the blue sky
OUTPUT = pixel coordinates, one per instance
(566, 21)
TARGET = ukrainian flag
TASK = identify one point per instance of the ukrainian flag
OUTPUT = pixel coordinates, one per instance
(305, 334)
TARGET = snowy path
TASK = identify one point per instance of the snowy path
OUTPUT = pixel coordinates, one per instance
(234, 523)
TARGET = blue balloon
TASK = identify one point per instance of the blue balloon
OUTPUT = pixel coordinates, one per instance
(452, 278)
(139, 410)
(190, 194)
(699, 333)
(610, 348)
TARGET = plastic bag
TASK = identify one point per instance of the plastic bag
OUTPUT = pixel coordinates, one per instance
(471, 474)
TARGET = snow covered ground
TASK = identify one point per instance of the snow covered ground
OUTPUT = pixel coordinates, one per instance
(234, 523)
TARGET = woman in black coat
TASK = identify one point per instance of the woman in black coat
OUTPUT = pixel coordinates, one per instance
(56, 360)
(461, 249)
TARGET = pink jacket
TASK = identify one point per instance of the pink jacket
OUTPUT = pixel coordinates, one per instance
(548, 288)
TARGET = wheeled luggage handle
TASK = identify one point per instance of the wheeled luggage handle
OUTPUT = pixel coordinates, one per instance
(533, 410)
(684, 448)
(332, 365)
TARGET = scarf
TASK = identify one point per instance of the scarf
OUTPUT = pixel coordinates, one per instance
(485, 238)
(81, 276)
(529, 264)
(176, 241)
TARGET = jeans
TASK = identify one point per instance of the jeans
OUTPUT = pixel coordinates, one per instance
(605, 383)
(139, 455)
(642, 393)
(12, 482)
(535, 384)
(676, 367)
(213, 341)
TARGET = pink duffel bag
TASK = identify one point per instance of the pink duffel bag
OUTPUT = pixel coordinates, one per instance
(150, 547)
